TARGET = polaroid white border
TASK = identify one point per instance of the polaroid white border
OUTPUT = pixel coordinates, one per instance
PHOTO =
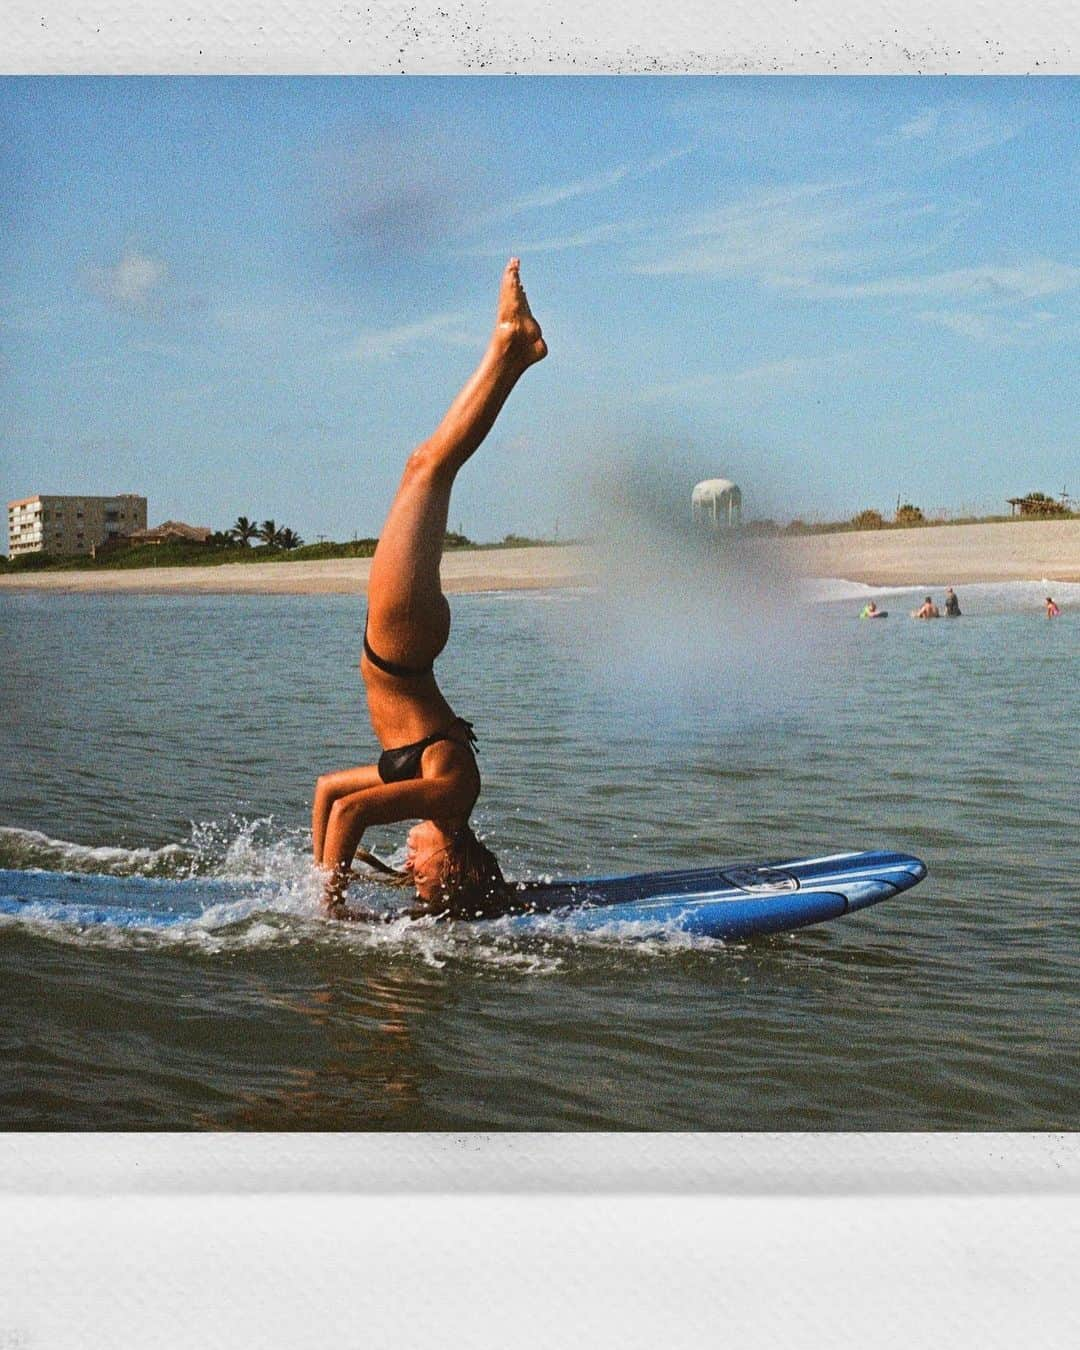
(537, 1240)
(523, 1163)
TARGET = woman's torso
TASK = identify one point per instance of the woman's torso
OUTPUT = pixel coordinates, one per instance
(404, 710)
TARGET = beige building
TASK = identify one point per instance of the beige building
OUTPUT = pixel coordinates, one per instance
(65, 526)
(171, 532)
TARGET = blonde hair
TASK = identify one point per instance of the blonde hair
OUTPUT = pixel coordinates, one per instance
(473, 886)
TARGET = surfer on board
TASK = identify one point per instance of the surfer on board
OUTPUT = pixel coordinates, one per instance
(427, 771)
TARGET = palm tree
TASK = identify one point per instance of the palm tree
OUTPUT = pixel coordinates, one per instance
(268, 533)
(244, 530)
(289, 538)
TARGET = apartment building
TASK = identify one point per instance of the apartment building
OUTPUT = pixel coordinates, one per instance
(65, 526)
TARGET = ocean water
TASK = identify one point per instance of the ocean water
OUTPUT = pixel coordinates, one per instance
(175, 736)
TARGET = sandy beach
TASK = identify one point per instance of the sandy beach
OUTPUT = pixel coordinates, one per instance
(946, 555)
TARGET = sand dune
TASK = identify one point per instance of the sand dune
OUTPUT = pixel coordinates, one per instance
(956, 554)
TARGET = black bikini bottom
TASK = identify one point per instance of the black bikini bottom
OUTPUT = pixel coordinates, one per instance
(403, 763)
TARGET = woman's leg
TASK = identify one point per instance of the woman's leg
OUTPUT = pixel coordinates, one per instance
(408, 617)
(328, 789)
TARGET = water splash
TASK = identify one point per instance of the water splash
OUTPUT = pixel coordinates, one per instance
(245, 886)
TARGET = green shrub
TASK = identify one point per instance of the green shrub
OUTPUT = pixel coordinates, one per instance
(868, 520)
(909, 515)
(32, 562)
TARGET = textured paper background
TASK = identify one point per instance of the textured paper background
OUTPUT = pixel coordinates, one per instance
(913, 37)
(887, 1240)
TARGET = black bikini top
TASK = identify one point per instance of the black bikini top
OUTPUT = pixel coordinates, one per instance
(403, 763)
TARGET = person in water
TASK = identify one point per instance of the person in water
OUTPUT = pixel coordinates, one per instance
(1052, 611)
(869, 610)
(952, 604)
(427, 771)
(927, 610)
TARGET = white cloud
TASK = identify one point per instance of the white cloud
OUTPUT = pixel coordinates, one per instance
(130, 284)
(449, 329)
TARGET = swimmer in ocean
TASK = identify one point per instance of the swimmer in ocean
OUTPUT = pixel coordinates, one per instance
(927, 610)
(427, 771)
(1052, 610)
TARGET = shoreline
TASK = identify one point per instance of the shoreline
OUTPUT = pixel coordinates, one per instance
(928, 556)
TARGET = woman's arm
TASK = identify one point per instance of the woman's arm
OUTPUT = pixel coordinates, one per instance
(416, 799)
(328, 789)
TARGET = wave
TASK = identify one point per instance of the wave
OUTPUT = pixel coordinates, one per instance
(23, 850)
(989, 596)
(237, 849)
(823, 590)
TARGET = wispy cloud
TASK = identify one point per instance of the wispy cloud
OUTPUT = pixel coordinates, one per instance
(950, 131)
(449, 329)
(768, 375)
(915, 129)
(132, 284)
(614, 231)
(1037, 278)
(838, 242)
(802, 231)
(546, 197)
(993, 328)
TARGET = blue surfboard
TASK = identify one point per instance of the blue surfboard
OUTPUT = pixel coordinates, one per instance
(735, 901)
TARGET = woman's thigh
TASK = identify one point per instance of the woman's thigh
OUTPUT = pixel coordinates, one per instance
(408, 616)
(344, 781)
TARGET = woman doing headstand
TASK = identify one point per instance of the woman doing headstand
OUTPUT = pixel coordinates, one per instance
(427, 770)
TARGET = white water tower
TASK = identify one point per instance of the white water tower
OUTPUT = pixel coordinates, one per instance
(716, 502)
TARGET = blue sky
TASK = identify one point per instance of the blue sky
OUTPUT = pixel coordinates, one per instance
(254, 296)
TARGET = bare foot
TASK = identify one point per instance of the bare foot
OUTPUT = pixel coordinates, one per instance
(514, 322)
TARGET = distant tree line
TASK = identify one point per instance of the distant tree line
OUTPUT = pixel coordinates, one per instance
(1035, 504)
(273, 536)
(234, 545)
